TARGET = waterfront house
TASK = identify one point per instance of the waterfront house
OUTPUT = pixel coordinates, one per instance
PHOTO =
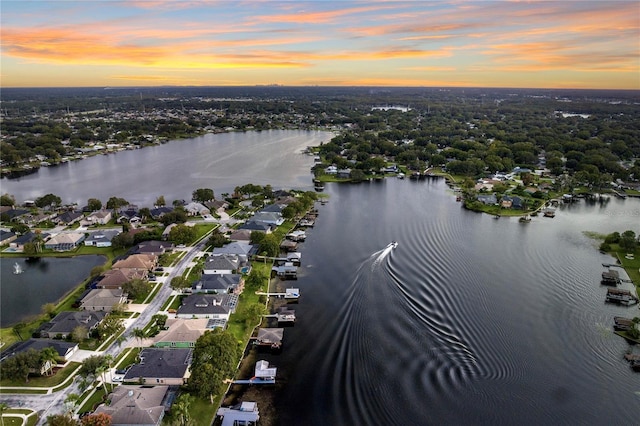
(210, 306)
(219, 284)
(101, 238)
(103, 299)
(180, 333)
(331, 170)
(138, 262)
(343, 174)
(506, 202)
(6, 237)
(222, 264)
(64, 349)
(217, 206)
(19, 242)
(115, 278)
(63, 324)
(159, 366)
(65, 241)
(137, 405)
(237, 248)
(488, 199)
(270, 218)
(257, 226)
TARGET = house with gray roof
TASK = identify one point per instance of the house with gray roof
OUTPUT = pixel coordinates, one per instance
(270, 218)
(137, 405)
(241, 249)
(257, 226)
(273, 208)
(64, 349)
(103, 299)
(488, 199)
(223, 264)
(65, 322)
(68, 218)
(65, 241)
(213, 306)
(6, 237)
(161, 367)
(219, 284)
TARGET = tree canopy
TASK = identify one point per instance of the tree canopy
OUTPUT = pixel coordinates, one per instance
(202, 195)
(215, 357)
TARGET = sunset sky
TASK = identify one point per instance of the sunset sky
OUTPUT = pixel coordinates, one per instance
(555, 44)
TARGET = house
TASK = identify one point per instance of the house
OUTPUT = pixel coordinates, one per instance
(103, 300)
(506, 202)
(343, 174)
(196, 209)
(65, 241)
(161, 367)
(489, 199)
(273, 208)
(270, 218)
(66, 322)
(6, 237)
(158, 212)
(217, 206)
(153, 247)
(137, 405)
(331, 170)
(100, 217)
(13, 214)
(129, 214)
(180, 333)
(64, 349)
(256, 226)
(68, 218)
(115, 278)
(213, 306)
(101, 238)
(220, 265)
(219, 284)
(237, 248)
(243, 235)
(138, 262)
(19, 242)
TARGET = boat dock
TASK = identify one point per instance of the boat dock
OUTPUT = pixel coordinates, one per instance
(623, 297)
(290, 293)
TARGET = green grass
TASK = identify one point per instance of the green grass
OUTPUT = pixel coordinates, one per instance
(19, 411)
(129, 359)
(204, 229)
(156, 288)
(29, 391)
(202, 412)
(93, 401)
(8, 420)
(43, 381)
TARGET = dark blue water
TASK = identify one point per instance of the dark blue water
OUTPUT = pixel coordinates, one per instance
(470, 320)
(42, 281)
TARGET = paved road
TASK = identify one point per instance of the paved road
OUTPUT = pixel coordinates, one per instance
(47, 405)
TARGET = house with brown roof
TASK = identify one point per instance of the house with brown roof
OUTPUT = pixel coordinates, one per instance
(100, 217)
(180, 333)
(136, 405)
(139, 262)
(115, 278)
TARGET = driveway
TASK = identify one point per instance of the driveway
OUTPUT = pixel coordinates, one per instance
(82, 354)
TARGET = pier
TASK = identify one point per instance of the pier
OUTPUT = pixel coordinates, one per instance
(290, 293)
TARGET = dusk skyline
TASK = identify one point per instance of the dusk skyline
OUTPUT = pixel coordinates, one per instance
(546, 44)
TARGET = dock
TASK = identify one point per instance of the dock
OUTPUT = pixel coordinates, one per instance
(622, 297)
(290, 293)
(245, 413)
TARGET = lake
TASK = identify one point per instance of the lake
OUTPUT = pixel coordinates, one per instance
(41, 281)
(177, 168)
(470, 320)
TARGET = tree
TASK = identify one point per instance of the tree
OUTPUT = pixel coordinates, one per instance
(91, 365)
(61, 420)
(160, 202)
(49, 355)
(20, 228)
(48, 200)
(115, 203)
(215, 357)
(179, 283)
(202, 195)
(100, 419)
(255, 280)
(110, 325)
(122, 240)
(139, 334)
(7, 200)
(18, 328)
(21, 365)
(182, 234)
(217, 239)
(181, 408)
(49, 309)
(136, 288)
(71, 403)
(270, 245)
(79, 333)
(93, 204)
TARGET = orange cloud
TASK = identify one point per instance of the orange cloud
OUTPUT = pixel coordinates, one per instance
(320, 17)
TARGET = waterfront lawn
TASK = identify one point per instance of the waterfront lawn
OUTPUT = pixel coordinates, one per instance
(202, 412)
(43, 381)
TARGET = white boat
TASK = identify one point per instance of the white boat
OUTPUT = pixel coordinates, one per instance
(17, 269)
(400, 175)
(393, 244)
